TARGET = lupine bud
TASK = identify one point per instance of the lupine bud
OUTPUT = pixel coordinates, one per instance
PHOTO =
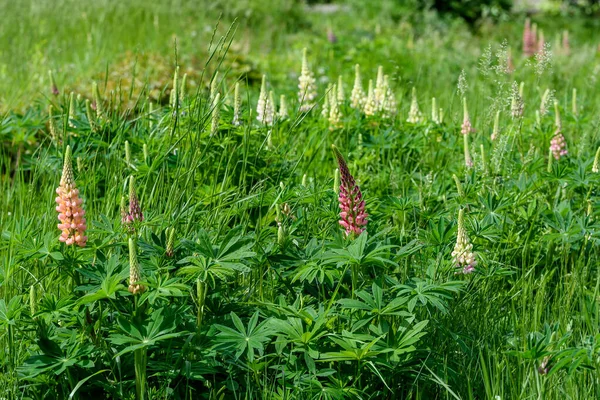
(596, 165)
(182, 91)
(574, 102)
(589, 208)
(468, 159)
(145, 153)
(466, 126)
(53, 87)
(264, 110)
(414, 114)
(304, 180)
(71, 213)
(72, 110)
(124, 212)
(127, 153)
(434, 111)
(135, 210)
(341, 97)
(380, 89)
(370, 105)
(496, 129)
(357, 97)
(550, 157)
(459, 188)
(353, 217)
(306, 85)
(237, 101)
(336, 181)
(389, 106)
(463, 256)
(52, 123)
(214, 86)
(441, 115)
(283, 110)
(88, 113)
(517, 105)
(216, 115)
(134, 270)
(170, 242)
(150, 114)
(32, 300)
(97, 104)
(335, 115)
(280, 235)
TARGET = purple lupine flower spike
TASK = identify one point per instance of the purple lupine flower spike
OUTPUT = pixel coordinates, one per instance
(353, 217)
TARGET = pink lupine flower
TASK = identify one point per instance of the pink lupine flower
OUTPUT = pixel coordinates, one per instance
(70, 212)
(353, 217)
(529, 40)
(558, 145)
(465, 129)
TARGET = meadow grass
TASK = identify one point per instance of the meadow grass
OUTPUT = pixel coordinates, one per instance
(251, 288)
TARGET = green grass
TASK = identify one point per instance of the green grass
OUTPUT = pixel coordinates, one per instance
(263, 295)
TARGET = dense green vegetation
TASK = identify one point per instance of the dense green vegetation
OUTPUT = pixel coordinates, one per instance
(239, 282)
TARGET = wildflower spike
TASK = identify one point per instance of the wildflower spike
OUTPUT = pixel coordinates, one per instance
(306, 85)
(69, 206)
(463, 256)
(353, 217)
(134, 270)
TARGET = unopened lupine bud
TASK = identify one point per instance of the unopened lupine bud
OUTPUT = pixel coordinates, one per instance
(596, 165)
(307, 85)
(72, 110)
(389, 106)
(370, 107)
(335, 115)
(79, 165)
(574, 102)
(280, 235)
(459, 188)
(170, 242)
(336, 181)
(182, 90)
(237, 101)
(264, 110)
(53, 87)
(380, 89)
(353, 217)
(69, 206)
(32, 300)
(357, 97)
(304, 180)
(135, 210)
(283, 110)
(496, 129)
(557, 121)
(216, 115)
(97, 101)
(434, 111)
(127, 153)
(123, 209)
(550, 157)
(90, 117)
(341, 97)
(214, 86)
(463, 256)
(325, 108)
(466, 126)
(414, 114)
(145, 153)
(52, 123)
(134, 270)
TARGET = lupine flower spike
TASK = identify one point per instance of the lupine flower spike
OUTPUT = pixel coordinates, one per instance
(69, 206)
(90, 117)
(237, 100)
(72, 110)
(335, 115)
(414, 114)
(353, 217)
(596, 165)
(357, 97)
(134, 270)
(52, 123)
(463, 256)
(434, 111)
(306, 85)
(341, 97)
(264, 108)
(216, 115)
(389, 102)
(325, 108)
(380, 89)
(170, 242)
(283, 110)
(574, 102)
(370, 105)
(97, 104)
(558, 145)
(529, 44)
(53, 87)
(135, 210)
(465, 129)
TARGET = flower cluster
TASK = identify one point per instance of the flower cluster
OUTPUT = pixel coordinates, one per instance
(135, 210)
(70, 212)
(134, 270)
(529, 39)
(558, 145)
(265, 112)
(352, 206)
(357, 97)
(306, 85)
(414, 114)
(463, 256)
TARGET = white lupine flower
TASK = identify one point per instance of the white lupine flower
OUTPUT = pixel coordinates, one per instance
(357, 97)
(414, 114)
(306, 85)
(463, 256)
(370, 107)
